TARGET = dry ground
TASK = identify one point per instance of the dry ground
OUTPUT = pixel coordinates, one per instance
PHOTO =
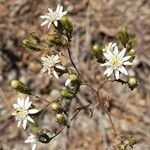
(94, 21)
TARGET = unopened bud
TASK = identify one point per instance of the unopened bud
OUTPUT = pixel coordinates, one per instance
(67, 93)
(123, 36)
(57, 107)
(29, 44)
(19, 86)
(67, 25)
(35, 36)
(98, 53)
(132, 54)
(55, 39)
(132, 83)
(132, 141)
(61, 119)
(122, 146)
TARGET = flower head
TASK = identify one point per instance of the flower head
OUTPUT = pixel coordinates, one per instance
(50, 64)
(53, 16)
(22, 111)
(33, 139)
(115, 62)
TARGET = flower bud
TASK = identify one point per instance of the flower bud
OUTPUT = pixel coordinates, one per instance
(132, 141)
(67, 24)
(61, 119)
(98, 53)
(35, 36)
(122, 146)
(20, 87)
(67, 93)
(55, 39)
(44, 136)
(29, 44)
(57, 107)
(123, 36)
(132, 83)
(132, 54)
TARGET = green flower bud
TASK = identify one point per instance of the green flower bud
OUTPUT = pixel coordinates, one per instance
(29, 44)
(67, 25)
(33, 128)
(61, 119)
(123, 36)
(132, 141)
(44, 136)
(57, 107)
(35, 36)
(67, 93)
(132, 83)
(55, 39)
(122, 146)
(131, 42)
(98, 53)
(132, 54)
(20, 87)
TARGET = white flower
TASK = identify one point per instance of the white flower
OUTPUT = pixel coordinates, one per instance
(50, 63)
(33, 140)
(115, 62)
(53, 16)
(109, 47)
(22, 111)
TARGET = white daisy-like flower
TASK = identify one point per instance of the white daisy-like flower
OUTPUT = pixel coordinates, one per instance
(33, 139)
(109, 47)
(53, 16)
(115, 62)
(22, 111)
(50, 63)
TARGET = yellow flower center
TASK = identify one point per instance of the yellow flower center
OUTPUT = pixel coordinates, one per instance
(53, 16)
(21, 113)
(115, 62)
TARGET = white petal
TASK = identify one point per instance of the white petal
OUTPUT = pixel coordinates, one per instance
(67, 82)
(117, 74)
(19, 123)
(32, 111)
(108, 71)
(127, 63)
(56, 23)
(122, 53)
(27, 103)
(15, 106)
(43, 70)
(58, 8)
(60, 67)
(20, 102)
(116, 50)
(105, 64)
(126, 58)
(61, 9)
(49, 24)
(44, 23)
(30, 119)
(14, 113)
(34, 146)
(114, 44)
(44, 17)
(55, 74)
(108, 55)
(50, 10)
(123, 70)
(63, 13)
(25, 123)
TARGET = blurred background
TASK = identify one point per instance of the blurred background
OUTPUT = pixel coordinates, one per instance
(93, 21)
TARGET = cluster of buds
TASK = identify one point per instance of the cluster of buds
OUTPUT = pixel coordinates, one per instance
(129, 143)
